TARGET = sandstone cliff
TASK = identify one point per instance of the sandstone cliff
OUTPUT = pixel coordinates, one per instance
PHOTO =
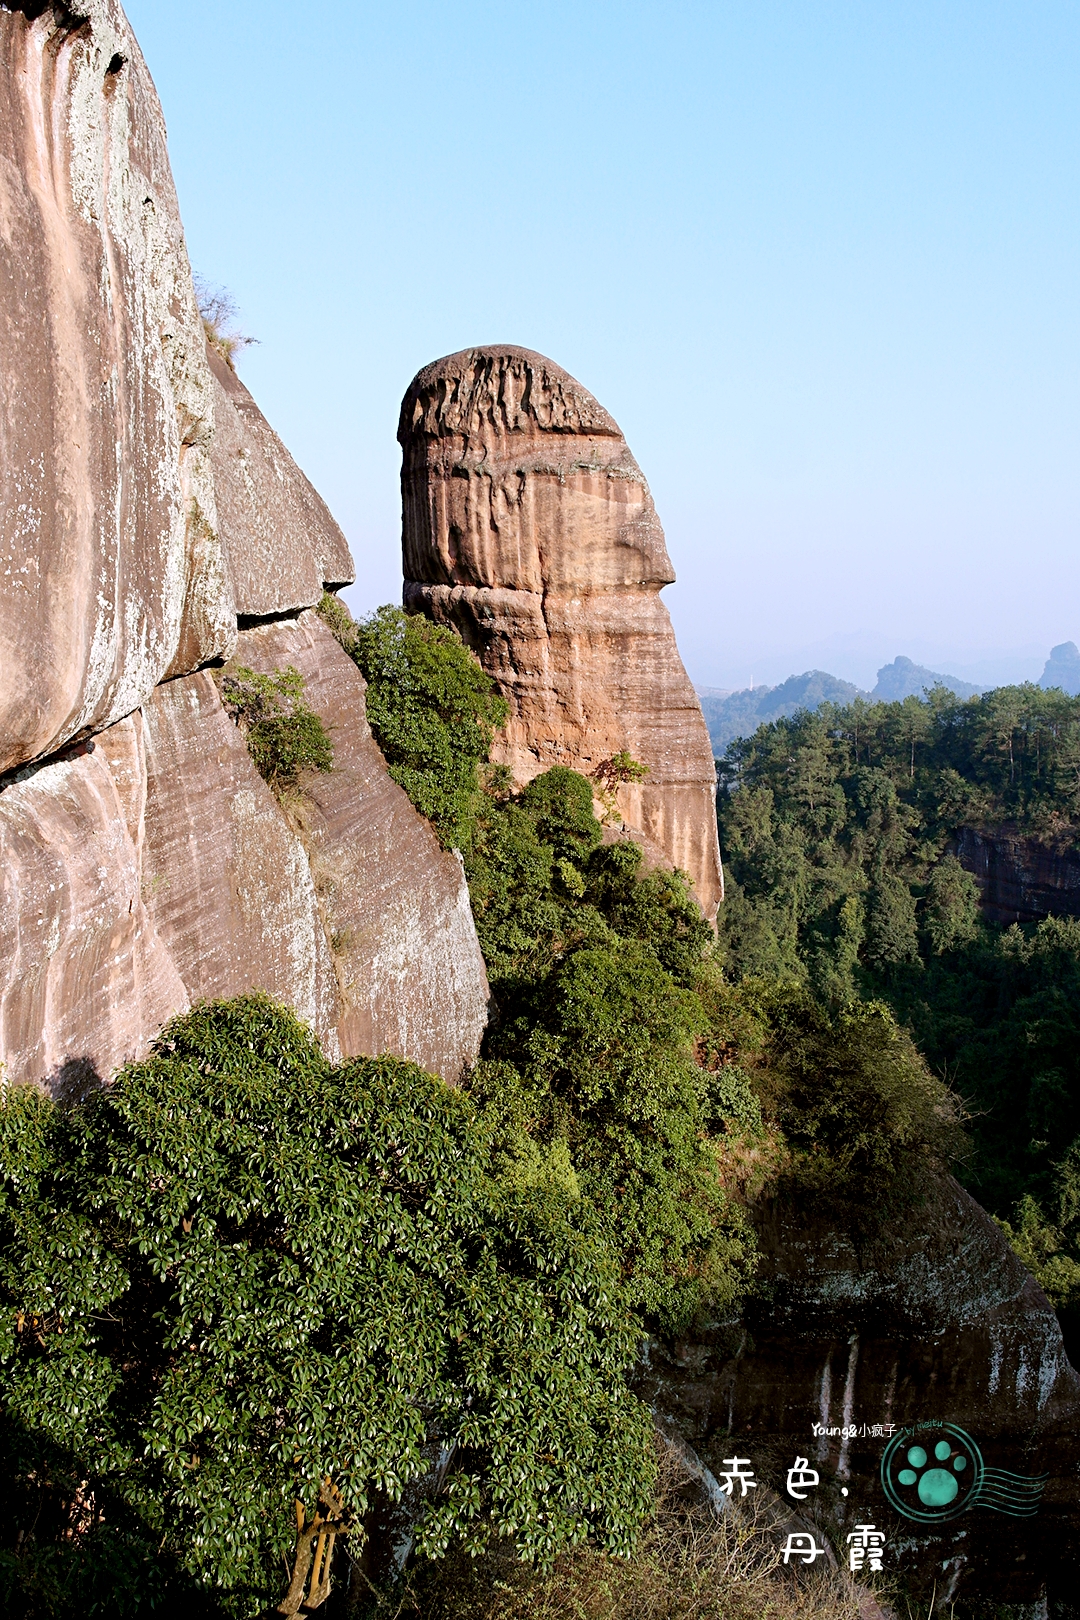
(111, 573)
(281, 544)
(146, 502)
(529, 526)
(1021, 878)
(929, 1318)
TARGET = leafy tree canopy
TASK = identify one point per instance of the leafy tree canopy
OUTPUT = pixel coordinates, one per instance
(241, 1270)
(839, 830)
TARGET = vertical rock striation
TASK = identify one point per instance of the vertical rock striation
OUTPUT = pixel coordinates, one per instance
(395, 906)
(85, 981)
(155, 867)
(227, 880)
(928, 1319)
(111, 574)
(529, 526)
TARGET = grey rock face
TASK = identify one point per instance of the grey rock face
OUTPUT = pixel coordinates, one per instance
(1063, 668)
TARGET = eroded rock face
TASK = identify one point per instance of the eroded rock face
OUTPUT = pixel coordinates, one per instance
(395, 906)
(932, 1318)
(529, 526)
(85, 982)
(1020, 878)
(281, 544)
(158, 870)
(111, 574)
(228, 885)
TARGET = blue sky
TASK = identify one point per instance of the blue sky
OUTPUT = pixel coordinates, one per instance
(821, 262)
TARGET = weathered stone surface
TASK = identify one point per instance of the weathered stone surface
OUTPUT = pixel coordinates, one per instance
(84, 980)
(933, 1318)
(396, 906)
(227, 880)
(1021, 878)
(529, 526)
(280, 541)
(110, 570)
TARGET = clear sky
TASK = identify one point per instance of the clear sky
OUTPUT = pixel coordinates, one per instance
(821, 262)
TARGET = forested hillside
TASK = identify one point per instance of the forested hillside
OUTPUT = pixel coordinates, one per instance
(839, 831)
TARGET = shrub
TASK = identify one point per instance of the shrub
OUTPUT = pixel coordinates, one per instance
(218, 310)
(689, 1565)
(284, 736)
(241, 1271)
(852, 1097)
(432, 710)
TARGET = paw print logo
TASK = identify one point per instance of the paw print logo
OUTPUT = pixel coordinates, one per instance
(932, 1472)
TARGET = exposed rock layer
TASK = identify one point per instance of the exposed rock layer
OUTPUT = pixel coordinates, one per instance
(159, 869)
(931, 1318)
(85, 982)
(229, 888)
(529, 526)
(1020, 878)
(280, 542)
(111, 574)
(395, 905)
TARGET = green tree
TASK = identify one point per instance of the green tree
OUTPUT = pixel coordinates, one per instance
(240, 1271)
(432, 709)
(285, 737)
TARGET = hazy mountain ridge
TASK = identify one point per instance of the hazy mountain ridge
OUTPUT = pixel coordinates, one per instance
(731, 714)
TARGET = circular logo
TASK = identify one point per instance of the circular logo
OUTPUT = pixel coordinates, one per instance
(931, 1471)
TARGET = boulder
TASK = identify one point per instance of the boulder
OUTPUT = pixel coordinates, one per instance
(529, 526)
(281, 544)
(921, 1319)
(85, 982)
(395, 905)
(111, 574)
(227, 881)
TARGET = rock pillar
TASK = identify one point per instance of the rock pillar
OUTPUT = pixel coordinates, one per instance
(529, 526)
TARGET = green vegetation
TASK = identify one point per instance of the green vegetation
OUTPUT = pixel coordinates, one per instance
(433, 713)
(244, 1279)
(241, 1270)
(838, 846)
(284, 736)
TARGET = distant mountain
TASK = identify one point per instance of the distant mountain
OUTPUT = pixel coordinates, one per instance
(738, 714)
(902, 679)
(1063, 668)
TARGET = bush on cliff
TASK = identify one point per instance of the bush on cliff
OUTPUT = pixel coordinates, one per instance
(284, 735)
(431, 709)
(240, 1271)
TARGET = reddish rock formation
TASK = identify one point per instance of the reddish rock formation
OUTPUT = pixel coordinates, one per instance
(931, 1318)
(529, 526)
(85, 982)
(396, 906)
(280, 542)
(1020, 878)
(158, 869)
(227, 880)
(110, 571)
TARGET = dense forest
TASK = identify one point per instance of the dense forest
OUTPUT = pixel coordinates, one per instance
(839, 832)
